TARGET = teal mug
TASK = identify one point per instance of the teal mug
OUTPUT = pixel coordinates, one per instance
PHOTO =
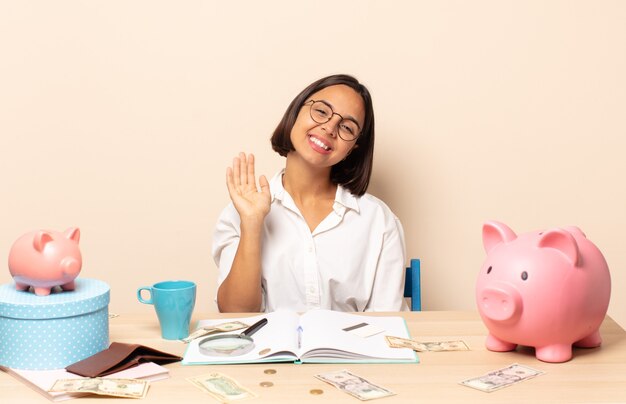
(173, 302)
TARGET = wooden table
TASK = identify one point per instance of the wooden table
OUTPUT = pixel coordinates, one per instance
(593, 375)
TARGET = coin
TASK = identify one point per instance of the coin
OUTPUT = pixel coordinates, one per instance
(264, 351)
(316, 392)
(266, 384)
(269, 371)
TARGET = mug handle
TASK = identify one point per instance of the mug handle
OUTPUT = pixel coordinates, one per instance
(141, 299)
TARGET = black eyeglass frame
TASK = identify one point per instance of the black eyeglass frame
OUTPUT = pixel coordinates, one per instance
(313, 102)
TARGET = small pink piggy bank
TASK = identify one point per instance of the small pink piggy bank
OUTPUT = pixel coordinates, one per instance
(546, 290)
(45, 259)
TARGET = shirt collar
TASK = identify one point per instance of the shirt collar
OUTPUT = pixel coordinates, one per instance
(343, 198)
(276, 186)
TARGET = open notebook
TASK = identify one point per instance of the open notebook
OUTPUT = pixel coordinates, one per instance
(317, 336)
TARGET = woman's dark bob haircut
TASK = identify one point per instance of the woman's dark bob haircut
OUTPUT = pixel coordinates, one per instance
(355, 171)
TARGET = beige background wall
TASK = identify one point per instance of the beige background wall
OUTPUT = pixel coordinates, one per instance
(119, 117)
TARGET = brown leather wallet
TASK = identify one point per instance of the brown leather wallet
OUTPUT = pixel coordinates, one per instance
(119, 356)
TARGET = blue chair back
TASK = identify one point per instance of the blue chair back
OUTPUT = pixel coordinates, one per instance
(412, 285)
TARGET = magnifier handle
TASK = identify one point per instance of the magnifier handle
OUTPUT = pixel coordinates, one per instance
(254, 327)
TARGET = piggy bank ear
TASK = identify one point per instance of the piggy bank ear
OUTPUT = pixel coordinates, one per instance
(575, 230)
(73, 233)
(41, 239)
(495, 233)
(562, 241)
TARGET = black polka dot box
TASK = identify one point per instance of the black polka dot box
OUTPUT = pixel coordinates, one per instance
(54, 331)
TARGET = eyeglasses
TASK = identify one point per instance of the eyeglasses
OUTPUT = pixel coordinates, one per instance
(321, 112)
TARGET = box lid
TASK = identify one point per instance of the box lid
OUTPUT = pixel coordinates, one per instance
(88, 296)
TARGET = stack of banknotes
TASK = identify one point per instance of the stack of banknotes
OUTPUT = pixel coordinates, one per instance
(128, 388)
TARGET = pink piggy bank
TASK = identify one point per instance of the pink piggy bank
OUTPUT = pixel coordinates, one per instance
(45, 259)
(547, 290)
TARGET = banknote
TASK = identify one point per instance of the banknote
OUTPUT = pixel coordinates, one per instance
(397, 342)
(222, 387)
(354, 385)
(129, 388)
(426, 346)
(211, 329)
(501, 378)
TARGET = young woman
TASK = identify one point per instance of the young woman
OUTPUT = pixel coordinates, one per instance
(312, 237)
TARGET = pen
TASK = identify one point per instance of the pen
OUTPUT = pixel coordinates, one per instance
(299, 336)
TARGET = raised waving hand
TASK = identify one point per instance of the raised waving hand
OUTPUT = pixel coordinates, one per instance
(250, 202)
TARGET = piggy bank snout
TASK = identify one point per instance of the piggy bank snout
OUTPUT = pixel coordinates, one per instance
(70, 266)
(500, 303)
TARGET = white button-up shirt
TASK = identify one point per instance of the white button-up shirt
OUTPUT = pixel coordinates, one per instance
(353, 261)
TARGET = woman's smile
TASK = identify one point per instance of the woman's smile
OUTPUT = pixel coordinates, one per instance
(319, 144)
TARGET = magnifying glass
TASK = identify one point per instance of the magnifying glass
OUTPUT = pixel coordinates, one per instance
(231, 344)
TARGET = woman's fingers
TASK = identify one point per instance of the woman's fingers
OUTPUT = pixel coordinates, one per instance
(243, 169)
(241, 178)
(265, 185)
(240, 171)
(236, 172)
(250, 170)
(230, 181)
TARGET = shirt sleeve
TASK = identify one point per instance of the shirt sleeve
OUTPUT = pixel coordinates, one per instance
(226, 241)
(388, 290)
